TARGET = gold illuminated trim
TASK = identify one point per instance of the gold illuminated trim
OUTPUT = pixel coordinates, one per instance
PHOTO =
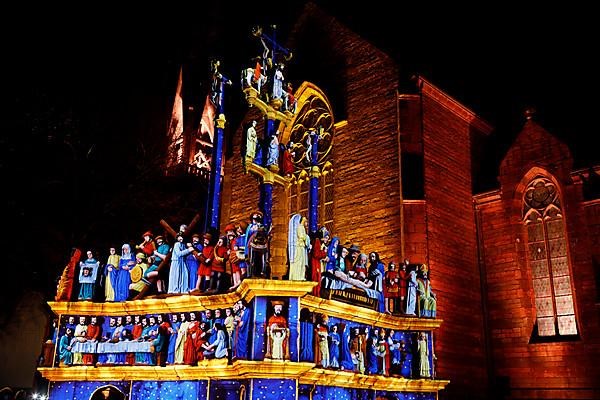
(267, 287)
(253, 99)
(315, 172)
(248, 289)
(324, 377)
(186, 303)
(274, 369)
(334, 308)
(206, 369)
(341, 124)
(267, 175)
(304, 92)
(306, 373)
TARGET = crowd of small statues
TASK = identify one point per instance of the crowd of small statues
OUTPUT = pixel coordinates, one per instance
(267, 151)
(399, 290)
(368, 350)
(268, 80)
(183, 338)
(190, 338)
(196, 267)
(210, 265)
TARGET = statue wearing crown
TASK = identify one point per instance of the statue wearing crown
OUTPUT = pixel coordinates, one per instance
(278, 334)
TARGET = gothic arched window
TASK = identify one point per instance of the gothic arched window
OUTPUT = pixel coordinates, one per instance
(314, 117)
(548, 255)
(299, 195)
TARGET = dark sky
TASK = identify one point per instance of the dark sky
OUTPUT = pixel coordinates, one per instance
(91, 93)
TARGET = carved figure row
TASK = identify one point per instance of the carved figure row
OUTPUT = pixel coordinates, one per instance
(182, 338)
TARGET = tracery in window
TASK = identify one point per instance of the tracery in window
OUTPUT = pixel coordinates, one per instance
(549, 259)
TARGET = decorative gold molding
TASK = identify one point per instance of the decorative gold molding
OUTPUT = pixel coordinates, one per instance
(272, 288)
(185, 303)
(274, 369)
(252, 96)
(365, 316)
(324, 377)
(304, 95)
(266, 175)
(207, 369)
(306, 373)
(247, 291)
(315, 172)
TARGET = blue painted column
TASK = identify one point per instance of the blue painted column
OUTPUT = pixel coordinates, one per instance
(315, 174)
(294, 325)
(266, 188)
(214, 198)
(266, 206)
(259, 339)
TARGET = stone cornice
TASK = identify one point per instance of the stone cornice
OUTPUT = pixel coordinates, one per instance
(487, 197)
(433, 92)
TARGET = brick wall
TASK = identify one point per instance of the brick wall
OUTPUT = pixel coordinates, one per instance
(452, 255)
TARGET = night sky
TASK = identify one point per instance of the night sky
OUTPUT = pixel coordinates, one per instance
(90, 94)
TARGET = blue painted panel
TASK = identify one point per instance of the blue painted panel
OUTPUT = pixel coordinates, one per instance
(169, 390)
(273, 389)
(293, 318)
(82, 390)
(260, 321)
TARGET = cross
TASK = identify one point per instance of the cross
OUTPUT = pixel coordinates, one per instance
(275, 47)
(167, 259)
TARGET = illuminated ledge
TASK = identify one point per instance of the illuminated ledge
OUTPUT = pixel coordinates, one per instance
(186, 303)
(267, 287)
(267, 109)
(267, 175)
(334, 308)
(212, 369)
(323, 377)
(218, 369)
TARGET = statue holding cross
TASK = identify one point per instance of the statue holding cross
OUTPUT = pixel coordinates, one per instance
(159, 273)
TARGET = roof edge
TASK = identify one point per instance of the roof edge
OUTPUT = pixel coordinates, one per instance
(451, 104)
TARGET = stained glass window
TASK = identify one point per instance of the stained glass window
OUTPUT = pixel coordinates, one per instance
(547, 252)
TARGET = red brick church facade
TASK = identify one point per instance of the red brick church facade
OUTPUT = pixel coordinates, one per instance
(513, 268)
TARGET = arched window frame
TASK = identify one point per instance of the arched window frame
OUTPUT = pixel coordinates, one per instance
(548, 257)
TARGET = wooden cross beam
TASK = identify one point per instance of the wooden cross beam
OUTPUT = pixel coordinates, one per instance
(173, 233)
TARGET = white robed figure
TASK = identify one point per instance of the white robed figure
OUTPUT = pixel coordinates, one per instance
(298, 245)
(278, 82)
(273, 154)
(251, 141)
(423, 351)
(411, 295)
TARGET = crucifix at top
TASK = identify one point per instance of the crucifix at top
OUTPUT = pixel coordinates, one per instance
(265, 88)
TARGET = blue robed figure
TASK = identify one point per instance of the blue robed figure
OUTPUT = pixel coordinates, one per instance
(241, 335)
(346, 356)
(306, 341)
(179, 280)
(334, 347)
(123, 280)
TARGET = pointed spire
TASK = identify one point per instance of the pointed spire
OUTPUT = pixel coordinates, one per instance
(175, 131)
